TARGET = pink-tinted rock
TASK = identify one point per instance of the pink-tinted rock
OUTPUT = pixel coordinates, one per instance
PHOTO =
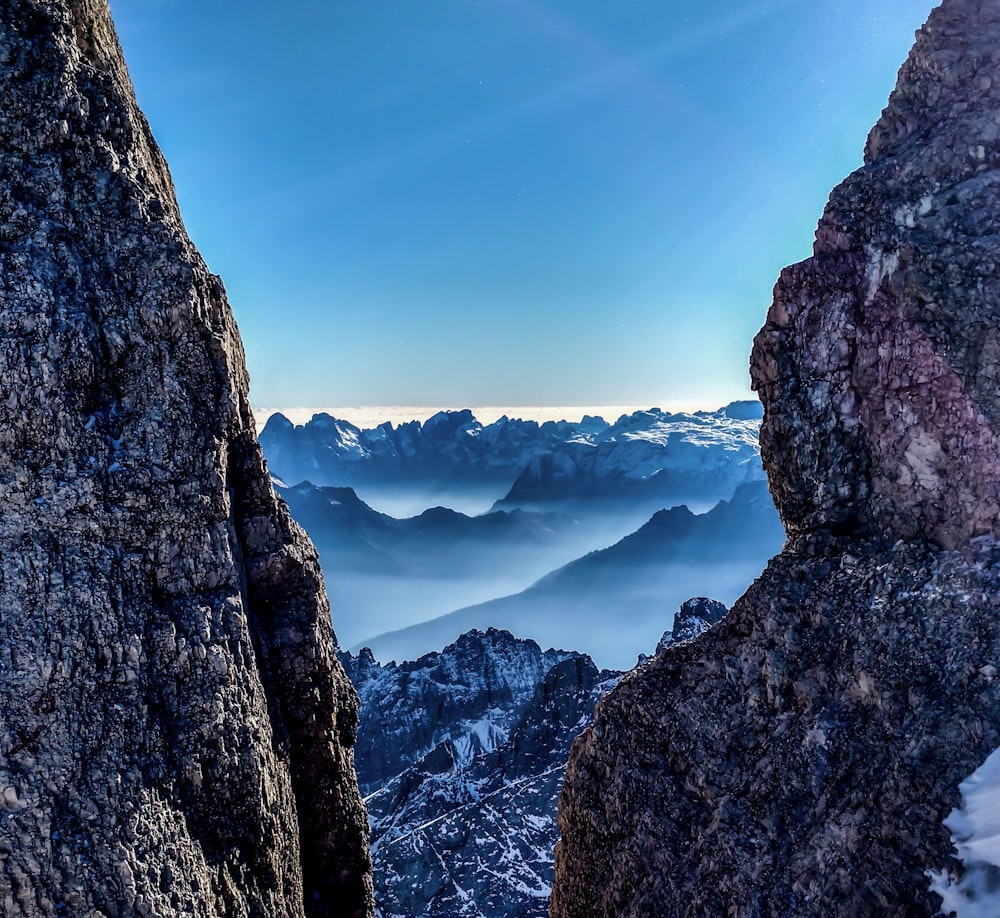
(879, 363)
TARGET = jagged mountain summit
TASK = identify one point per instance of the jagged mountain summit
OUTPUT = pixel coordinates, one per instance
(801, 757)
(175, 728)
(462, 755)
(330, 451)
(451, 456)
(652, 458)
(694, 617)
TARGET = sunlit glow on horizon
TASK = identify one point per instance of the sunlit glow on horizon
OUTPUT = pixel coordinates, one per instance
(370, 416)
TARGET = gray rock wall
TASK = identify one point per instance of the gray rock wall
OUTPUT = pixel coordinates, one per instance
(799, 758)
(175, 730)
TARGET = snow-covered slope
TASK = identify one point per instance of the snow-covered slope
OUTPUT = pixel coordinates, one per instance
(461, 754)
(449, 459)
(696, 459)
(468, 695)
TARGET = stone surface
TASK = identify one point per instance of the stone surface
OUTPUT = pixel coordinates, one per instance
(175, 731)
(879, 363)
(694, 617)
(469, 694)
(799, 757)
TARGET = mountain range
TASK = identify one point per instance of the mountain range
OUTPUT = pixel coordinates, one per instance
(559, 492)
(385, 573)
(453, 460)
(461, 756)
(613, 602)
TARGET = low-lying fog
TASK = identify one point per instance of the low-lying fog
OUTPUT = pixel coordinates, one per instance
(613, 623)
(403, 501)
(408, 585)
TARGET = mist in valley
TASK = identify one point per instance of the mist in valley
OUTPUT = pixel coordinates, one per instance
(602, 574)
(386, 573)
(612, 622)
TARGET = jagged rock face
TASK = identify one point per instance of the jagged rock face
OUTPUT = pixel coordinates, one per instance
(175, 730)
(470, 694)
(462, 753)
(879, 364)
(800, 757)
(694, 617)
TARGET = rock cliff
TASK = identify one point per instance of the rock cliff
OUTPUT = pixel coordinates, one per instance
(878, 364)
(175, 730)
(800, 757)
(461, 754)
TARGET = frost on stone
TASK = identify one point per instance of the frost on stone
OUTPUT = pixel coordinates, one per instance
(975, 832)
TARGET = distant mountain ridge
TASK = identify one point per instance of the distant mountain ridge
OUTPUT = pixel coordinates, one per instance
(659, 458)
(351, 534)
(384, 573)
(704, 454)
(559, 491)
(619, 597)
(330, 451)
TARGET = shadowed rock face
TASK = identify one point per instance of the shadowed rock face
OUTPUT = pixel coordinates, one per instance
(799, 757)
(175, 731)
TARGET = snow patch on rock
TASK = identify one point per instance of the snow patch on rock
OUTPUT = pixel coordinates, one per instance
(975, 832)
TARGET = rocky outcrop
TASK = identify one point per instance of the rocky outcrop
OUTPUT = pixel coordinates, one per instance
(175, 731)
(462, 754)
(694, 617)
(878, 364)
(470, 695)
(800, 757)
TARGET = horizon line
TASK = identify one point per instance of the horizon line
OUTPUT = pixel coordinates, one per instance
(370, 416)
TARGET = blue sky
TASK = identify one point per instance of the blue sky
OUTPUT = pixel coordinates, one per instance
(507, 202)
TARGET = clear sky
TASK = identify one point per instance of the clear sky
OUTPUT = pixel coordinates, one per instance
(507, 202)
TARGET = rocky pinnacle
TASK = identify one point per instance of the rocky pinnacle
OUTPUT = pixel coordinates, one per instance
(799, 758)
(175, 730)
(879, 363)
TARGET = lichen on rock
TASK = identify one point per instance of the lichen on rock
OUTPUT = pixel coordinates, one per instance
(175, 730)
(801, 756)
